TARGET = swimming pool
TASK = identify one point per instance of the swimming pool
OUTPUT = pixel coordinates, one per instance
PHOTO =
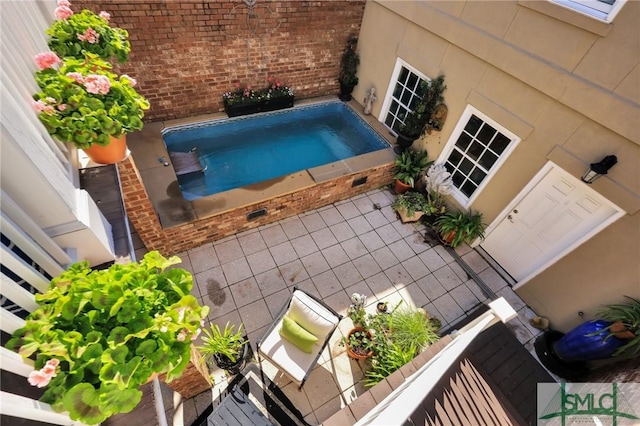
(245, 150)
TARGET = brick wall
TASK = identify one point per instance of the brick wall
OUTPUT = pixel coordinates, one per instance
(186, 54)
(179, 238)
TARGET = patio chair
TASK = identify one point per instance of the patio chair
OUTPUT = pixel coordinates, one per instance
(297, 355)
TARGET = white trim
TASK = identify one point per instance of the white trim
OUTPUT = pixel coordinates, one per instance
(26, 408)
(17, 294)
(23, 270)
(455, 134)
(525, 191)
(13, 362)
(384, 111)
(9, 322)
(594, 9)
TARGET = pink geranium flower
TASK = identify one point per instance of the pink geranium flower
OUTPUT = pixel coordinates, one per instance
(38, 378)
(66, 3)
(62, 107)
(42, 106)
(54, 362)
(48, 370)
(76, 76)
(47, 60)
(181, 336)
(97, 84)
(132, 80)
(89, 35)
(62, 12)
(105, 15)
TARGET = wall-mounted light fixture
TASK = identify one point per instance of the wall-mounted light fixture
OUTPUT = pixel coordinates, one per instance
(597, 170)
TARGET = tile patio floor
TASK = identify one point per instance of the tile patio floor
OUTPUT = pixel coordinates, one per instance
(357, 245)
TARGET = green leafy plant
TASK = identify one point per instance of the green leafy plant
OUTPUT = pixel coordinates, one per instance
(398, 337)
(409, 164)
(223, 346)
(625, 324)
(82, 102)
(459, 227)
(430, 94)
(349, 62)
(359, 341)
(100, 334)
(411, 202)
(75, 34)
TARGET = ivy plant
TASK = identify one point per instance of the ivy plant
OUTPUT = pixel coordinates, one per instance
(100, 334)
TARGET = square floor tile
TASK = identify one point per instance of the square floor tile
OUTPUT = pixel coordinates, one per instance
(203, 258)
(331, 215)
(228, 251)
(376, 219)
(293, 272)
(431, 287)
(252, 243)
(464, 298)
(315, 264)
(388, 233)
(273, 234)
(324, 238)
(398, 276)
(245, 292)
(384, 257)
(293, 227)
(304, 245)
(347, 209)
(432, 259)
(448, 308)
(270, 282)
(363, 204)
(475, 261)
(413, 296)
(360, 225)
(210, 280)
(220, 302)
(236, 270)
(417, 243)
(283, 253)
(380, 285)
(342, 231)
(335, 255)
(416, 268)
(401, 250)
(276, 301)
(348, 274)
(327, 283)
(255, 315)
(261, 261)
(447, 278)
(493, 280)
(367, 266)
(320, 387)
(372, 241)
(313, 221)
(354, 248)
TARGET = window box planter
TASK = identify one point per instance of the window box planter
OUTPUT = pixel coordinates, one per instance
(264, 105)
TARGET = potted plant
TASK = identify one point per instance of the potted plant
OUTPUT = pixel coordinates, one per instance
(407, 167)
(460, 227)
(359, 343)
(100, 334)
(415, 122)
(74, 35)
(397, 338)
(410, 206)
(244, 100)
(349, 62)
(227, 348)
(617, 332)
(438, 184)
(83, 103)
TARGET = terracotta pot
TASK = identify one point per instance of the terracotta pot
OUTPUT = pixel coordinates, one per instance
(620, 331)
(112, 153)
(405, 217)
(401, 187)
(353, 354)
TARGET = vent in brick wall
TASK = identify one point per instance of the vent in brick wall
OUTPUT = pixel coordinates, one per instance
(256, 214)
(359, 181)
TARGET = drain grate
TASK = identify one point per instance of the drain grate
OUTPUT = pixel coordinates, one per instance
(256, 214)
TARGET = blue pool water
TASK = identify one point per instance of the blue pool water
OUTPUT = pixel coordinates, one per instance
(250, 149)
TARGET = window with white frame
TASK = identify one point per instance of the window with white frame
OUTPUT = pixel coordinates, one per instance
(403, 94)
(476, 149)
(602, 10)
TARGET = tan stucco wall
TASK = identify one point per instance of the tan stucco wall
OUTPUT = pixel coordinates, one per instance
(567, 85)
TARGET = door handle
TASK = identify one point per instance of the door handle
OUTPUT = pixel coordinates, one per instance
(510, 218)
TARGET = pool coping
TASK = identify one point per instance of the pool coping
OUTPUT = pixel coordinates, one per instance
(150, 154)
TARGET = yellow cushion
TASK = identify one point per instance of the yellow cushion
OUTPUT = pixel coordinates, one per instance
(297, 335)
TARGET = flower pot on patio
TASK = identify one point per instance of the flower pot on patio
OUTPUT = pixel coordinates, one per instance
(275, 104)
(241, 108)
(357, 347)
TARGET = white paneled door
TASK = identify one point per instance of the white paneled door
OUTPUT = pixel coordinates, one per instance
(554, 214)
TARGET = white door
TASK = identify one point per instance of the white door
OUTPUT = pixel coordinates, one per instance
(548, 219)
